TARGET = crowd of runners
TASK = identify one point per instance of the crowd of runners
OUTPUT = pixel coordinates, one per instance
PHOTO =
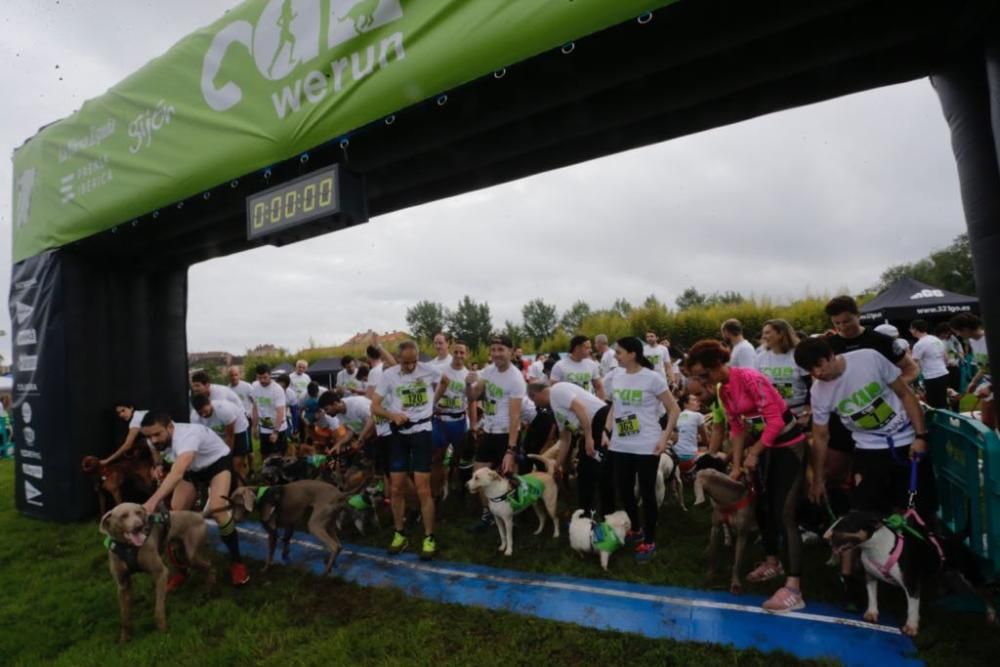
(823, 419)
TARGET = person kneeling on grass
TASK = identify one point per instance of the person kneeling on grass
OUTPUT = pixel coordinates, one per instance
(197, 456)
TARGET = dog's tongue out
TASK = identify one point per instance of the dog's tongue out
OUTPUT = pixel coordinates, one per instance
(137, 538)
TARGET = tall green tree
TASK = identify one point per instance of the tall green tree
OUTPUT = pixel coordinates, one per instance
(728, 298)
(948, 268)
(690, 298)
(514, 332)
(574, 316)
(622, 307)
(425, 319)
(470, 321)
(540, 320)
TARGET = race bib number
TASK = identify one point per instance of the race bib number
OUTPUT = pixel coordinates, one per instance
(413, 397)
(380, 420)
(627, 426)
(451, 402)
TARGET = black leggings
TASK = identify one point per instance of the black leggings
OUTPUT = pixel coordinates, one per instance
(595, 478)
(936, 391)
(781, 472)
(626, 468)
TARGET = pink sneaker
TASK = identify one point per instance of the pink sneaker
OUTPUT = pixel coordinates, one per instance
(785, 599)
(765, 572)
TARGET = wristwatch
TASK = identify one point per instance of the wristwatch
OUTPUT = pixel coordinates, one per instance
(921, 436)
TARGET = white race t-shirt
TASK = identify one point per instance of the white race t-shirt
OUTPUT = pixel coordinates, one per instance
(528, 411)
(349, 381)
(785, 375)
(412, 393)
(561, 397)
(137, 417)
(688, 424)
(657, 355)
(608, 361)
(218, 392)
(581, 373)
(636, 396)
(324, 420)
(980, 353)
(299, 383)
(867, 405)
(440, 364)
(357, 411)
(225, 413)
(455, 401)
(930, 353)
(290, 398)
(381, 423)
(197, 438)
(499, 389)
(243, 391)
(743, 356)
(268, 399)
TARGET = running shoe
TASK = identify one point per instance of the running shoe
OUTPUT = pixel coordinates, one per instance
(238, 574)
(766, 571)
(785, 599)
(428, 549)
(399, 543)
(645, 552)
(633, 537)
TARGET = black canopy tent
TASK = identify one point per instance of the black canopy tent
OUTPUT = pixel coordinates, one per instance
(908, 299)
(112, 306)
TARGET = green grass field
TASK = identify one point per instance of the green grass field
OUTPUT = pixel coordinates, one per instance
(59, 607)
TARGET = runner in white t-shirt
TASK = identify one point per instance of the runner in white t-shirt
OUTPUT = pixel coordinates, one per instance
(298, 382)
(741, 352)
(776, 360)
(451, 414)
(347, 378)
(639, 395)
(127, 413)
(230, 424)
(875, 404)
(501, 387)
(579, 368)
(690, 428)
(409, 386)
(198, 456)
(269, 413)
(354, 412)
(605, 354)
(379, 360)
(577, 411)
(241, 388)
(442, 358)
(536, 370)
(201, 384)
(930, 353)
(659, 356)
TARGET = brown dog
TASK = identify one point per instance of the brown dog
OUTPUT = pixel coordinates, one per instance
(111, 478)
(136, 543)
(733, 507)
(284, 506)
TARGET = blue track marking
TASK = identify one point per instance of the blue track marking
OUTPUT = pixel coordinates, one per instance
(820, 631)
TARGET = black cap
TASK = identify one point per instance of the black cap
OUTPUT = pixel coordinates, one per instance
(501, 339)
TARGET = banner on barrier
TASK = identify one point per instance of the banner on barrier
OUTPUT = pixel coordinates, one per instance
(271, 79)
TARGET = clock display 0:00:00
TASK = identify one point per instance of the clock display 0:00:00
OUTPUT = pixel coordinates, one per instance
(286, 206)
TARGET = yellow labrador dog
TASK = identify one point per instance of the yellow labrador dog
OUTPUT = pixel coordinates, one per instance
(136, 543)
(532, 490)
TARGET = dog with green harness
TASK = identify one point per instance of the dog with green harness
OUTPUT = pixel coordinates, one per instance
(508, 497)
(605, 537)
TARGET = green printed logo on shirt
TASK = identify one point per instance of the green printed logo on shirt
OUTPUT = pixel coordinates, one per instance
(866, 408)
(580, 379)
(629, 396)
(782, 378)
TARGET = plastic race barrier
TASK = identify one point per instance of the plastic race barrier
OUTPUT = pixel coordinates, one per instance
(966, 456)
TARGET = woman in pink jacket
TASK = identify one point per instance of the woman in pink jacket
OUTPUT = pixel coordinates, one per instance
(766, 441)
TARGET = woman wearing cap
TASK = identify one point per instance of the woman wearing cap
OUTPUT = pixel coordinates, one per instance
(637, 392)
(758, 417)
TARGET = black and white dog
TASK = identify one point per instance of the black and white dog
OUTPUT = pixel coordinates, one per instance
(907, 558)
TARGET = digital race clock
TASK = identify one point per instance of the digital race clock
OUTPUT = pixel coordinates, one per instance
(304, 199)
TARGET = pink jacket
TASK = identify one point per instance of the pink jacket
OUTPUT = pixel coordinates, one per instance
(749, 394)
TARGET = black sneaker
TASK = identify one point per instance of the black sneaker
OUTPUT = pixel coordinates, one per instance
(485, 522)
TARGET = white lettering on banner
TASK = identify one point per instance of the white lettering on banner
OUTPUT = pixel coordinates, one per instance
(29, 436)
(147, 123)
(32, 470)
(26, 412)
(27, 363)
(30, 454)
(31, 493)
(24, 188)
(22, 312)
(97, 135)
(26, 387)
(26, 337)
(927, 294)
(943, 308)
(289, 34)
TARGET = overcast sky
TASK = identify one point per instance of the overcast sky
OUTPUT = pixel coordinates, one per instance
(816, 200)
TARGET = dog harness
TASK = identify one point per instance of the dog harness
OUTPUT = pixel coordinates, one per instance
(524, 494)
(359, 502)
(728, 511)
(604, 538)
(128, 552)
(900, 524)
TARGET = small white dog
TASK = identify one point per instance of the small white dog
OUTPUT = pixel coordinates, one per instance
(535, 489)
(587, 536)
(667, 474)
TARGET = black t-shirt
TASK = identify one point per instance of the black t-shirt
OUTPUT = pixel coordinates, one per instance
(869, 340)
